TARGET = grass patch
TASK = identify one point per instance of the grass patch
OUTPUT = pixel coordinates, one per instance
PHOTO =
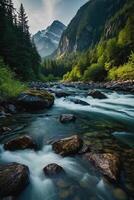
(9, 86)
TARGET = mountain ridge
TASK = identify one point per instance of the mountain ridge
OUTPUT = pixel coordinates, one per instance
(47, 40)
(88, 25)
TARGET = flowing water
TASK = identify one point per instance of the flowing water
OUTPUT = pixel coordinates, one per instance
(107, 123)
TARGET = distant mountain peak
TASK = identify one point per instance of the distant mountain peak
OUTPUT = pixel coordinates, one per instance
(47, 40)
(57, 22)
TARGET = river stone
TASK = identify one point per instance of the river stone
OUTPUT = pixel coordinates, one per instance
(2, 114)
(97, 94)
(64, 118)
(60, 94)
(4, 130)
(78, 101)
(21, 143)
(62, 184)
(53, 170)
(119, 194)
(14, 178)
(11, 108)
(108, 163)
(63, 194)
(35, 100)
(68, 146)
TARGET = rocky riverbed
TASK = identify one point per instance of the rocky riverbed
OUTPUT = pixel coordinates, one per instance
(68, 141)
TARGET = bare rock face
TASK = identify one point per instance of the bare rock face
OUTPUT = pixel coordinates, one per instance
(65, 118)
(53, 170)
(108, 164)
(97, 94)
(68, 146)
(21, 143)
(14, 178)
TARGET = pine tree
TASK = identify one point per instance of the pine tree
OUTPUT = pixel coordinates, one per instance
(16, 47)
(10, 11)
(23, 20)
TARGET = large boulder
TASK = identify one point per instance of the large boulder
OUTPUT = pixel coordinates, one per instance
(21, 143)
(107, 163)
(35, 100)
(78, 101)
(14, 178)
(64, 118)
(97, 94)
(53, 170)
(68, 146)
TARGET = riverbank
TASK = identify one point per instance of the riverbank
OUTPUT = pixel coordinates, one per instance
(11, 106)
(104, 125)
(126, 86)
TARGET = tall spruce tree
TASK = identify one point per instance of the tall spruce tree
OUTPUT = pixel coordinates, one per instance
(23, 20)
(16, 46)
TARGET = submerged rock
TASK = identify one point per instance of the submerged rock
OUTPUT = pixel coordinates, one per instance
(4, 130)
(53, 170)
(120, 194)
(68, 146)
(97, 94)
(21, 143)
(35, 100)
(12, 108)
(60, 94)
(108, 164)
(64, 118)
(78, 101)
(3, 113)
(14, 178)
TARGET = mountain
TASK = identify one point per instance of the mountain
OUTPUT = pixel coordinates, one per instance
(90, 24)
(47, 40)
(98, 44)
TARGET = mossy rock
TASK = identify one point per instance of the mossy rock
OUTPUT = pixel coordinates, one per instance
(35, 100)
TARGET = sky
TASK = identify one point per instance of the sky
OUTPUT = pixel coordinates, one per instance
(42, 13)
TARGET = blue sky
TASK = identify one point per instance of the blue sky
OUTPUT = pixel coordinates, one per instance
(43, 12)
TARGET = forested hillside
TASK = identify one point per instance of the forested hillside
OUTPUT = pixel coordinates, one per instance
(99, 42)
(88, 25)
(18, 56)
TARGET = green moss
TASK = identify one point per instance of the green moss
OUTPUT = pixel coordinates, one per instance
(42, 94)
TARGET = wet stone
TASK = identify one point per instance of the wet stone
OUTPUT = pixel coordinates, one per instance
(68, 146)
(53, 169)
(14, 178)
(21, 143)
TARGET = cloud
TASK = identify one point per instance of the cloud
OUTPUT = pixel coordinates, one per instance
(42, 13)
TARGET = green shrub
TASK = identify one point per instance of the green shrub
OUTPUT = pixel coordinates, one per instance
(95, 72)
(74, 75)
(9, 87)
(125, 72)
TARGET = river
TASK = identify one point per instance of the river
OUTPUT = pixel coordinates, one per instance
(107, 124)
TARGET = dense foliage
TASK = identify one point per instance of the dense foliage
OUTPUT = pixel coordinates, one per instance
(55, 69)
(16, 47)
(9, 87)
(88, 25)
(112, 57)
